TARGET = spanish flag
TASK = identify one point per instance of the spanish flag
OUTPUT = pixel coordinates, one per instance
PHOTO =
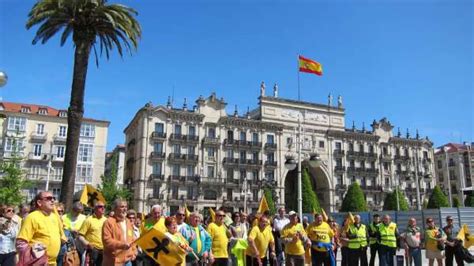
(310, 66)
(263, 206)
(90, 195)
(160, 248)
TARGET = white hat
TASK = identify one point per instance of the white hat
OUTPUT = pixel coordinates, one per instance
(291, 213)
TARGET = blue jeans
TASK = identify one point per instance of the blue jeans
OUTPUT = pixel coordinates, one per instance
(386, 255)
(128, 263)
(415, 256)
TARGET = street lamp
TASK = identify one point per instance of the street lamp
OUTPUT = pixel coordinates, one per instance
(290, 164)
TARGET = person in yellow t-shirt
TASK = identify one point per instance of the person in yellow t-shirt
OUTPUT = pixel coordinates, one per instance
(220, 238)
(41, 230)
(433, 237)
(259, 239)
(294, 237)
(90, 234)
(155, 220)
(179, 247)
(319, 232)
(73, 220)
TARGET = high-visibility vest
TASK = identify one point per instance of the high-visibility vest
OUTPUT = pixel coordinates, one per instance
(372, 229)
(387, 235)
(360, 240)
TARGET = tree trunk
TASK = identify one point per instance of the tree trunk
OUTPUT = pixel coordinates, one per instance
(74, 120)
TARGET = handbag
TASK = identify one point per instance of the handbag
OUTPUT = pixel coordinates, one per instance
(71, 257)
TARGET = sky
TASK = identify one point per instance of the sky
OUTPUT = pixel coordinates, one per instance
(408, 61)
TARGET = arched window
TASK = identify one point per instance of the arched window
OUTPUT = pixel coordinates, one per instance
(210, 195)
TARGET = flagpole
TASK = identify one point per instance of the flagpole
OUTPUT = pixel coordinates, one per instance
(298, 70)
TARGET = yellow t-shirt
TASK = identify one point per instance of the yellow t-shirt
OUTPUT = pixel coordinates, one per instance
(148, 224)
(219, 240)
(40, 228)
(262, 239)
(430, 238)
(320, 233)
(91, 230)
(293, 247)
(73, 225)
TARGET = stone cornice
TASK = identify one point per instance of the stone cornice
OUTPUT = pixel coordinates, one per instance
(410, 142)
(350, 135)
(295, 102)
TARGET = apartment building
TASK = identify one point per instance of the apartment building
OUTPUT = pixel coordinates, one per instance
(37, 133)
(204, 157)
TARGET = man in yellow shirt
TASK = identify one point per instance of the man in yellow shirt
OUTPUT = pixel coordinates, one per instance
(220, 238)
(73, 220)
(155, 220)
(320, 235)
(259, 239)
(294, 237)
(41, 230)
(90, 234)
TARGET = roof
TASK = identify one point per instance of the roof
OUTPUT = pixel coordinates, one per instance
(34, 109)
(452, 148)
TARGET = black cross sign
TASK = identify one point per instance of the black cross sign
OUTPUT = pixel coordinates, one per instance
(160, 246)
(92, 198)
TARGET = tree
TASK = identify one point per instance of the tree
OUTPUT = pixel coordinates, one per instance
(271, 203)
(109, 188)
(310, 200)
(437, 199)
(469, 201)
(456, 202)
(390, 202)
(354, 200)
(90, 22)
(13, 181)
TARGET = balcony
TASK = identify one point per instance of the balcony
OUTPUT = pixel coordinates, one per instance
(210, 141)
(193, 158)
(230, 143)
(339, 153)
(35, 157)
(184, 138)
(157, 177)
(156, 155)
(158, 135)
(57, 158)
(176, 157)
(371, 155)
(351, 154)
(271, 163)
(339, 168)
(177, 178)
(401, 158)
(39, 137)
(372, 171)
(212, 181)
(270, 146)
(341, 187)
(59, 138)
(385, 157)
(230, 161)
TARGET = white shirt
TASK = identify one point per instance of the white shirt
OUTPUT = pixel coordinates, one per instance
(279, 223)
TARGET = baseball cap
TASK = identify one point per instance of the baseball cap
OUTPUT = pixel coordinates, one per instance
(291, 213)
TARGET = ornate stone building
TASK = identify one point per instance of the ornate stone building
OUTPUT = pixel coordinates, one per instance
(204, 157)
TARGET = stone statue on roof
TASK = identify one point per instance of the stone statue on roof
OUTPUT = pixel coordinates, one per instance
(262, 89)
(339, 101)
(275, 90)
(330, 99)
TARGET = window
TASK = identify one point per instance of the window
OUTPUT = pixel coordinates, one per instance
(210, 171)
(243, 136)
(192, 131)
(190, 170)
(289, 141)
(321, 144)
(13, 145)
(177, 148)
(230, 154)
(60, 150)
(62, 131)
(338, 146)
(230, 174)
(372, 165)
(339, 162)
(58, 174)
(270, 139)
(271, 157)
(174, 191)
(255, 156)
(270, 175)
(229, 194)
(361, 148)
(158, 147)
(84, 173)
(255, 175)
(255, 137)
(385, 166)
(177, 129)
(39, 129)
(176, 170)
(425, 154)
(362, 164)
(62, 114)
(37, 149)
(190, 193)
(371, 149)
(191, 150)
(399, 167)
(25, 109)
(385, 150)
(339, 180)
(87, 130)
(230, 135)
(85, 152)
(17, 123)
(243, 174)
(56, 192)
(406, 152)
(42, 111)
(210, 195)
(157, 168)
(351, 146)
(243, 156)
(35, 171)
(211, 151)
(440, 164)
(159, 127)
(255, 195)
(352, 163)
(211, 132)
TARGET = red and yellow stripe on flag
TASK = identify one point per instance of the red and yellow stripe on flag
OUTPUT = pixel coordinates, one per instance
(310, 66)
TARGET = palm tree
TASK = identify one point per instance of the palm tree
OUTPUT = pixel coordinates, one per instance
(92, 23)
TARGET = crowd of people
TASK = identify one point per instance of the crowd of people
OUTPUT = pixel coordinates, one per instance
(45, 235)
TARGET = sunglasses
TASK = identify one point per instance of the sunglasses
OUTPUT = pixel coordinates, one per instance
(180, 214)
(131, 217)
(429, 221)
(220, 215)
(9, 210)
(50, 198)
(60, 211)
(100, 206)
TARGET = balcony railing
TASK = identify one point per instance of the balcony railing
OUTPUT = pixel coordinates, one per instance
(271, 163)
(158, 135)
(39, 136)
(156, 155)
(211, 141)
(59, 138)
(228, 161)
(37, 157)
(339, 168)
(157, 177)
(339, 152)
(270, 146)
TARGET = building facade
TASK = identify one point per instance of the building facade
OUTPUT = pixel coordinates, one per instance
(38, 133)
(454, 169)
(117, 156)
(203, 157)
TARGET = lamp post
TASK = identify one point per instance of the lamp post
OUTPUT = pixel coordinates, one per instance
(418, 205)
(449, 178)
(291, 164)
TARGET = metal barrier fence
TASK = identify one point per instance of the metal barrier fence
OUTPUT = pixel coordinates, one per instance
(460, 215)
